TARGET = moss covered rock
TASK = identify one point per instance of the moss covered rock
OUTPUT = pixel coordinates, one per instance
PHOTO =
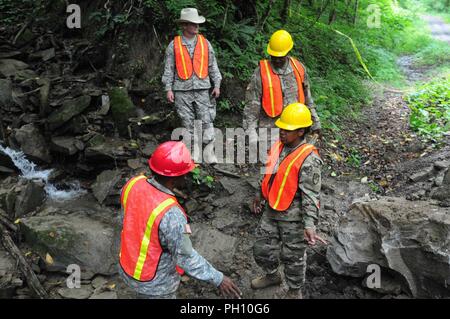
(122, 108)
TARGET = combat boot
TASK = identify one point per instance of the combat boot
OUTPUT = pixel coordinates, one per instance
(266, 281)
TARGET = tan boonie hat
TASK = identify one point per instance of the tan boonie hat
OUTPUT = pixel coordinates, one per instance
(190, 15)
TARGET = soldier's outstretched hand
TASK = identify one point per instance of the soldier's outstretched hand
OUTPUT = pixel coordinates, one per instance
(229, 288)
(311, 237)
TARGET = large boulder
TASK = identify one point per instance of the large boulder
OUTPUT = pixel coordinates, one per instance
(73, 239)
(217, 247)
(32, 143)
(68, 110)
(411, 239)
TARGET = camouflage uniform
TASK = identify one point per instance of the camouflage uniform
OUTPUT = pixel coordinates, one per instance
(177, 250)
(254, 115)
(192, 98)
(287, 227)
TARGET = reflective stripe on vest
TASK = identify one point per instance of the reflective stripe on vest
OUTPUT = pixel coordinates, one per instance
(183, 62)
(272, 95)
(279, 188)
(144, 207)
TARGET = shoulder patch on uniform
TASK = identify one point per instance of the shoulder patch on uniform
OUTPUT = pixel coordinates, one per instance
(316, 178)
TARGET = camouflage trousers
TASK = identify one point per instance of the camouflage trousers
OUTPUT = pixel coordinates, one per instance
(196, 105)
(282, 241)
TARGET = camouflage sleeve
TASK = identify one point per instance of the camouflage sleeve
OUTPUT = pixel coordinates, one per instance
(169, 68)
(310, 183)
(173, 231)
(310, 102)
(214, 72)
(252, 107)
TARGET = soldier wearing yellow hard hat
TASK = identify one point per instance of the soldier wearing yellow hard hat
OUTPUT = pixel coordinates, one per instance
(289, 199)
(276, 83)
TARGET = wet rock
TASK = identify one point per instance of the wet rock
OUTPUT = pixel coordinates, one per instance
(5, 93)
(135, 163)
(122, 109)
(99, 282)
(422, 175)
(229, 184)
(68, 110)
(73, 239)
(105, 183)
(104, 295)
(6, 161)
(32, 143)
(44, 55)
(409, 238)
(31, 197)
(215, 246)
(107, 152)
(10, 67)
(191, 206)
(84, 292)
(441, 165)
(66, 145)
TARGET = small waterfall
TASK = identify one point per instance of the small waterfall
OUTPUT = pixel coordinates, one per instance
(30, 171)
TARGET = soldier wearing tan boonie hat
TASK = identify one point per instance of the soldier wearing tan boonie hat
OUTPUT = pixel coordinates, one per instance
(190, 67)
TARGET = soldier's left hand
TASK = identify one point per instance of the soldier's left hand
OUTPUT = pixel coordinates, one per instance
(215, 92)
(311, 237)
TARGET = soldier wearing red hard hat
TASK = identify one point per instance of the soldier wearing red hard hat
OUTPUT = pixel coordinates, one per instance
(155, 241)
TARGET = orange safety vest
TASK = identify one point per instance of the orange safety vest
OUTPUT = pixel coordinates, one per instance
(184, 63)
(144, 207)
(272, 95)
(279, 190)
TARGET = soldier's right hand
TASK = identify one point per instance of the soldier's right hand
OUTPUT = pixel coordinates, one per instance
(257, 204)
(229, 288)
(170, 96)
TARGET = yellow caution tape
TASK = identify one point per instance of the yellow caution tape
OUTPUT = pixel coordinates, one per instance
(358, 55)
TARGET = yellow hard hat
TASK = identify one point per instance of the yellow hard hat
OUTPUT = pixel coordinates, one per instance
(280, 43)
(294, 116)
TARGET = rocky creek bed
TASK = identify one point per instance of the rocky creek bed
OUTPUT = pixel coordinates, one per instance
(68, 112)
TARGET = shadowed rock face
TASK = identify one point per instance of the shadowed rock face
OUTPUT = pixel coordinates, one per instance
(411, 238)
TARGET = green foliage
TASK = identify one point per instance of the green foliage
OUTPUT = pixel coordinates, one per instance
(354, 158)
(436, 53)
(199, 177)
(430, 109)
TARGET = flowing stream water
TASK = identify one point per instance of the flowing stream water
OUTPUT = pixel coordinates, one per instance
(30, 171)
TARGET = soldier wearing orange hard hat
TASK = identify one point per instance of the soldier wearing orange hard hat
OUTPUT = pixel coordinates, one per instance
(155, 245)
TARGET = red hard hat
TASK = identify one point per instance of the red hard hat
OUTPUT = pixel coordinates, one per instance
(171, 159)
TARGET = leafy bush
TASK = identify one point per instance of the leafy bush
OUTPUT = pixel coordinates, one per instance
(430, 109)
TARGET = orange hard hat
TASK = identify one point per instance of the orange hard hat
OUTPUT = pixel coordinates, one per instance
(171, 158)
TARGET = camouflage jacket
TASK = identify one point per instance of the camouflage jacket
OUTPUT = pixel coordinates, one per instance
(170, 77)
(305, 206)
(177, 250)
(254, 115)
